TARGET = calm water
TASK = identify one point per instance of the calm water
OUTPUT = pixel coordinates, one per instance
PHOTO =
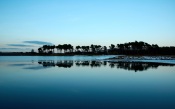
(84, 82)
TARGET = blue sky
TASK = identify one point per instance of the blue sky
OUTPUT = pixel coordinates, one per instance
(85, 22)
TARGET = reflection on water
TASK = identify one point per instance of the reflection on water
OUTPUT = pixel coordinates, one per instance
(85, 84)
(135, 66)
(65, 64)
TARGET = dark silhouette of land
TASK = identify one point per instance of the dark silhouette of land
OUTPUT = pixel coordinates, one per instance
(130, 48)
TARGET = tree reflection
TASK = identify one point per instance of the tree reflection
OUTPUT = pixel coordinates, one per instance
(133, 66)
(89, 63)
(137, 66)
(65, 64)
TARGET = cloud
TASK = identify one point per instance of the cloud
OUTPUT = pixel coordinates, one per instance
(20, 45)
(39, 42)
(15, 49)
(9, 48)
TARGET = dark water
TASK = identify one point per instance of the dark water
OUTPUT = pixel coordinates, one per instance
(85, 84)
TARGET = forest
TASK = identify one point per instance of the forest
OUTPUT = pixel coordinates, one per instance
(130, 48)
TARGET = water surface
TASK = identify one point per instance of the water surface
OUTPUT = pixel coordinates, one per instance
(84, 83)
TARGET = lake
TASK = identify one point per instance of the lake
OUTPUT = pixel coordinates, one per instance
(84, 82)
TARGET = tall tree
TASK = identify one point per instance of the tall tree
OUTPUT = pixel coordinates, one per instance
(40, 50)
(92, 48)
(112, 46)
(78, 48)
(52, 48)
(105, 49)
(45, 48)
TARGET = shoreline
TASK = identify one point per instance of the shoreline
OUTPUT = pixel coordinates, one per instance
(144, 57)
(169, 59)
(153, 59)
(75, 54)
(54, 54)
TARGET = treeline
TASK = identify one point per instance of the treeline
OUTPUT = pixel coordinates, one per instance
(130, 48)
(69, 49)
(141, 48)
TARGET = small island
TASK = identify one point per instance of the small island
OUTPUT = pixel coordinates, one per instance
(136, 48)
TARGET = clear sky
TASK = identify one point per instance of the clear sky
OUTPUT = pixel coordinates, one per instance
(26, 24)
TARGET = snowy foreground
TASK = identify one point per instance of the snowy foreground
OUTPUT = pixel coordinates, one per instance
(157, 59)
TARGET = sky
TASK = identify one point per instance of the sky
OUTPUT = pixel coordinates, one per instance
(27, 24)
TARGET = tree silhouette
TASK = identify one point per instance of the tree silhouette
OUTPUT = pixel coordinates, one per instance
(40, 50)
(65, 48)
(45, 48)
(112, 46)
(105, 50)
(130, 48)
(52, 48)
(92, 48)
(60, 47)
(78, 48)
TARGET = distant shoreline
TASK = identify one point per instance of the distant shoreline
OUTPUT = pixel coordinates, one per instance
(73, 54)
(169, 59)
(118, 56)
(144, 57)
(54, 54)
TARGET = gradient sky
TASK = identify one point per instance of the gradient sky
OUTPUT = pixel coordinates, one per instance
(26, 24)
